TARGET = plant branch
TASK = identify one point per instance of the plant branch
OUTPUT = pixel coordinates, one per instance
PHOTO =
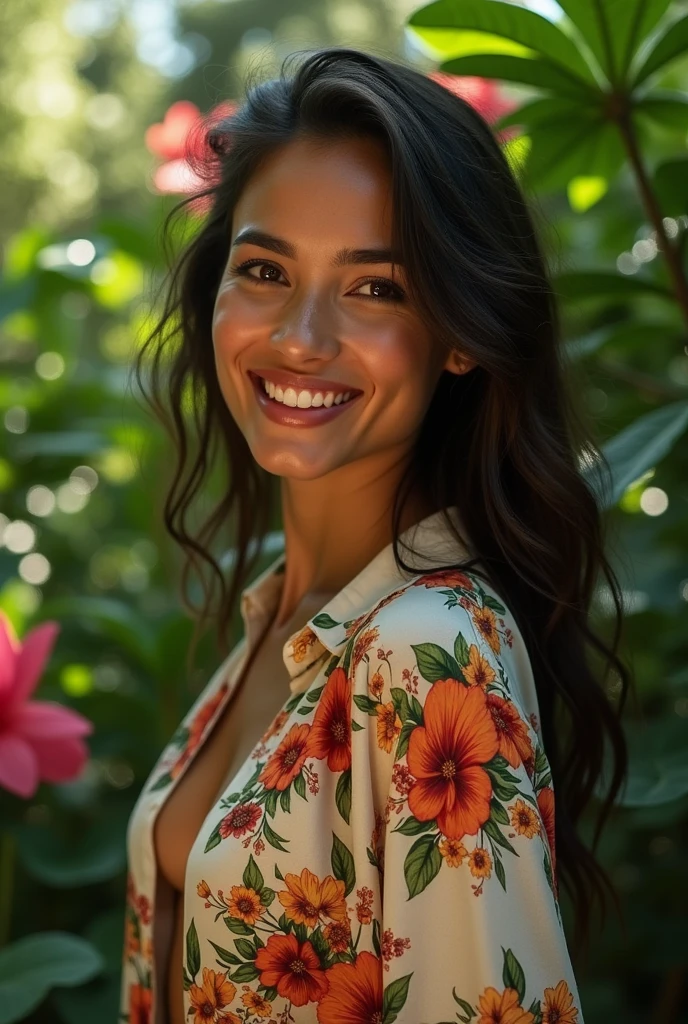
(7, 860)
(619, 111)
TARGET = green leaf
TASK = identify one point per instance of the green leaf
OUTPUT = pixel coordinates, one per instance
(343, 864)
(461, 650)
(267, 895)
(499, 872)
(32, 966)
(193, 951)
(446, 19)
(325, 621)
(394, 998)
(300, 786)
(574, 285)
(671, 185)
(614, 29)
(498, 813)
(343, 795)
(587, 145)
(465, 1006)
(423, 862)
(355, 727)
(527, 70)
(272, 838)
(404, 737)
(236, 926)
(513, 975)
(435, 663)
(253, 876)
(214, 839)
(246, 949)
(412, 827)
(497, 836)
(636, 449)
(673, 43)
(364, 703)
(271, 802)
(247, 972)
(93, 853)
(278, 874)
(285, 800)
(665, 107)
(225, 955)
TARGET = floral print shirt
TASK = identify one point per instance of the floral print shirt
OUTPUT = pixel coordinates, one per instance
(386, 852)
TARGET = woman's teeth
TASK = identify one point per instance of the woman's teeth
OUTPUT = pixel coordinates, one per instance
(304, 399)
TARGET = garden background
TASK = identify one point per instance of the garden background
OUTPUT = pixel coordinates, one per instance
(591, 104)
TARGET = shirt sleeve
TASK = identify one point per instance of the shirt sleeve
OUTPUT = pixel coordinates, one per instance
(464, 836)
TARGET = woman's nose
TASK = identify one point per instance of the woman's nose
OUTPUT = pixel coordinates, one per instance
(306, 326)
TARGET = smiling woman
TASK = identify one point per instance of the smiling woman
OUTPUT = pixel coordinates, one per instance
(356, 822)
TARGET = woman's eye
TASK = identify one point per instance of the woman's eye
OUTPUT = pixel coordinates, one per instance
(268, 273)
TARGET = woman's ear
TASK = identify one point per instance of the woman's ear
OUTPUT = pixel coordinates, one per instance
(459, 363)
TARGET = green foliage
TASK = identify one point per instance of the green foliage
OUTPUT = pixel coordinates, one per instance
(602, 105)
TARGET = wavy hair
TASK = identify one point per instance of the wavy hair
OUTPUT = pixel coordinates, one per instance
(504, 442)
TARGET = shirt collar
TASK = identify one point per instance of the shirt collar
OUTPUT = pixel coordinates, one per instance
(426, 545)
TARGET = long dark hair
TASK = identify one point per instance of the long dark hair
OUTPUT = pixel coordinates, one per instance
(504, 442)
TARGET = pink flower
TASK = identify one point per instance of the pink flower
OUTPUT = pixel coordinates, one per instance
(180, 140)
(483, 94)
(39, 740)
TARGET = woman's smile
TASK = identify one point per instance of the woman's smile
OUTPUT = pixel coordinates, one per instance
(302, 408)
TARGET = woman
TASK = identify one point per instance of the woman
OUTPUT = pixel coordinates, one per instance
(356, 821)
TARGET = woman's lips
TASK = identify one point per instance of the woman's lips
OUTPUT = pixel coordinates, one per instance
(291, 415)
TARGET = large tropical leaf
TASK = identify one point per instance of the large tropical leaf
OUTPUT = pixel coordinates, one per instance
(671, 186)
(665, 107)
(593, 284)
(636, 449)
(614, 29)
(444, 23)
(583, 146)
(545, 111)
(673, 43)
(526, 70)
(30, 967)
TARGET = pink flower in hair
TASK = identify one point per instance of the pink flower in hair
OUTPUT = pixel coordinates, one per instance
(40, 741)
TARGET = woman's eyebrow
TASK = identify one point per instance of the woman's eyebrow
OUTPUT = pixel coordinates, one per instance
(342, 258)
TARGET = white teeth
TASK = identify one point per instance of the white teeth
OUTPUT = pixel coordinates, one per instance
(304, 399)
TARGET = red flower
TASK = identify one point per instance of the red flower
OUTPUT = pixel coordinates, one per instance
(331, 730)
(293, 968)
(241, 819)
(514, 741)
(354, 995)
(446, 756)
(140, 1004)
(288, 760)
(483, 94)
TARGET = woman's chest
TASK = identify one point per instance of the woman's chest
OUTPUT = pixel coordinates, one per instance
(258, 695)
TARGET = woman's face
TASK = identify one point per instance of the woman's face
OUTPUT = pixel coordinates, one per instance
(305, 306)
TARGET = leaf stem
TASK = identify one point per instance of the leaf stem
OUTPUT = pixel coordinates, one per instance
(619, 111)
(8, 852)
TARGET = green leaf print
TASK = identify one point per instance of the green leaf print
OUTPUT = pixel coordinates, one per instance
(394, 998)
(513, 975)
(272, 838)
(461, 650)
(342, 795)
(162, 782)
(499, 872)
(423, 862)
(229, 959)
(267, 895)
(376, 936)
(466, 1007)
(285, 800)
(300, 786)
(236, 926)
(214, 839)
(366, 704)
(271, 802)
(412, 827)
(494, 604)
(343, 864)
(193, 951)
(435, 663)
(324, 621)
(498, 813)
(252, 877)
(246, 949)
(247, 972)
(497, 836)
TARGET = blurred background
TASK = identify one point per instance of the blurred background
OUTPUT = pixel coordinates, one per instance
(97, 98)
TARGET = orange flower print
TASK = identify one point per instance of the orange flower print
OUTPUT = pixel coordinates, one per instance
(288, 760)
(453, 852)
(140, 1005)
(449, 578)
(215, 993)
(331, 730)
(559, 1008)
(275, 727)
(245, 904)
(300, 644)
(514, 742)
(502, 1008)
(364, 907)
(388, 726)
(203, 889)
(480, 863)
(545, 802)
(197, 727)
(241, 819)
(377, 684)
(354, 995)
(446, 756)
(257, 1004)
(293, 968)
(338, 936)
(524, 819)
(363, 644)
(307, 899)
(478, 671)
(486, 623)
